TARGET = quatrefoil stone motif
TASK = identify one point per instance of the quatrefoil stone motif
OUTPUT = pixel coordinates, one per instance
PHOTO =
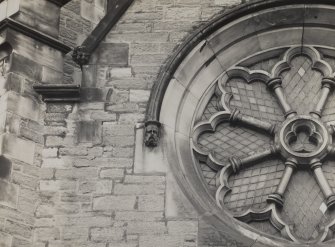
(304, 138)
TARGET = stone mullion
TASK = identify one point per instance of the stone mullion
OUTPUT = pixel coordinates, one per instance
(275, 86)
(316, 167)
(237, 117)
(277, 196)
(327, 85)
(240, 163)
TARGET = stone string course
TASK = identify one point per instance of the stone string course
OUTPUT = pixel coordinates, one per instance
(77, 186)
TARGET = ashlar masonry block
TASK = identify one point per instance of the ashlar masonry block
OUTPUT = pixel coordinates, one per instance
(41, 15)
(34, 50)
(17, 148)
(8, 195)
(91, 12)
(19, 105)
(107, 203)
(8, 8)
(5, 239)
(90, 131)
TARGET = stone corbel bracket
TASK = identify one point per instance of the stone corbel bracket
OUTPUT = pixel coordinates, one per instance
(59, 93)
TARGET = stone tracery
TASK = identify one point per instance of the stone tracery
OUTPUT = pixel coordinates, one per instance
(314, 135)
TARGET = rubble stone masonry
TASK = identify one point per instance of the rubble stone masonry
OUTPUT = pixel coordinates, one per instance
(73, 174)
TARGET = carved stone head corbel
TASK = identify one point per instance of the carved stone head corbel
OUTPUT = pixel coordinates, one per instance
(152, 133)
(81, 55)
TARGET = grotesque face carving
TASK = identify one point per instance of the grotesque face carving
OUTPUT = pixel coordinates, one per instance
(152, 133)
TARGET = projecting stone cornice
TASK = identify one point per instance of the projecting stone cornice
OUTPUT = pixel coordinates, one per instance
(59, 93)
(59, 3)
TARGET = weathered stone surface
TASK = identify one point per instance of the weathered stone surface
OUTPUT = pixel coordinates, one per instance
(91, 12)
(113, 129)
(8, 194)
(113, 54)
(73, 151)
(50, 152)
(209, 235)
(160, 240)
(177, 205)
(138, 189)
(34, 15)
(56, 185)
(182, 227)
(151, 203)
(139, 216)
(76, 233)
(146, 228)
(46, 234)
(51, 76)
(138, 37)
(93, 94)
(22, 106)
(116, 173)
(5, 167)
(33, 50)
(11, 145)
(114, 202)
(131, 118)
(88, 221)
(77, 173)
(73, 197)
(119, 73)
(21, 242)
(53, 163)
(139, 95)
(5, 239)
(18, 229)
(107, 234)
(26, 67)
(90, 132)
(24, 180)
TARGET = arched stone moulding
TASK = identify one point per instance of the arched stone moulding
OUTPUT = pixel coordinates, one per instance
(189, 78)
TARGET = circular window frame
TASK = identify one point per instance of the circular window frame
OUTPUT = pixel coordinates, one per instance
(175, 98)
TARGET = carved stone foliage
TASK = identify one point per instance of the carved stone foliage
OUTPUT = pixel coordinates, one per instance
(267, 124)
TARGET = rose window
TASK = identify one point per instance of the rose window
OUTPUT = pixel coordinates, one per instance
(264, 144)
(244, 113)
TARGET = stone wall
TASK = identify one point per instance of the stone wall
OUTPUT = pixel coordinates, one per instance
(90, 182)
(24, 62)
